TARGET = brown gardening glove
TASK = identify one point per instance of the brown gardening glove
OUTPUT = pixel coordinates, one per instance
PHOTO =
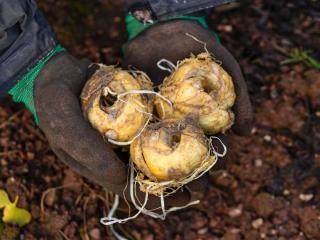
(168, 40)
(57, 98)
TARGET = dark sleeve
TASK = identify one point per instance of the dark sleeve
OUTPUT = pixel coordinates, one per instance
(171, 8)
(25, 38)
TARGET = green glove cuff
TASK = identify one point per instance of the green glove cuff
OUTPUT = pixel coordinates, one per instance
(23, 90)
(134, 27)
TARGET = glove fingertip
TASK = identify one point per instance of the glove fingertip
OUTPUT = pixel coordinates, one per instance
(243, 126)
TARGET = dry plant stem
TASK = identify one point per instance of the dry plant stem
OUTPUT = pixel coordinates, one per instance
(107, 195)
(204, 47)
(124, 231)
(110, 219)
(79, 198)
(63, 235)
(85, 227)
(116, 234)
(124, 190)
(44, 194)
(199, 41)
(111, 214)
(35, 131)
(170, 64)
(12, 117)
(221, 143)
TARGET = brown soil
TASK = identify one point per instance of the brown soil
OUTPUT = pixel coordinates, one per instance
(270, 186)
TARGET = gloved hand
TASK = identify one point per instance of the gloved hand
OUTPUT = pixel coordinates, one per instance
(168, 40)
(56, 92)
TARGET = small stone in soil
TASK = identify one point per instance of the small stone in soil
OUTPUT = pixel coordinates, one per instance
(257, 223)
(95, 234)
(286, 192)
(235, 212)
(202, 231)
(267, 138)
(273, 232)
(305, 197)
(258, 162)
(50, 198)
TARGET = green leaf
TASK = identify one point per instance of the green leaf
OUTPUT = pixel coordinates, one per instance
(300, 55)
(4, 199)
(14, 215)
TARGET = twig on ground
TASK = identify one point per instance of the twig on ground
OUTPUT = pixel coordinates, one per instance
(44, 194)
(64, 235)
(8, 153)
(85, 227)
(35, 132)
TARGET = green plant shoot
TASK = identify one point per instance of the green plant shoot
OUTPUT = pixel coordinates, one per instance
(11, 213)
(4, 199)
(298, 55)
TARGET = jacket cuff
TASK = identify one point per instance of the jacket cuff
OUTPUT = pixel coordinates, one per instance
(34, 41)
(23, 90)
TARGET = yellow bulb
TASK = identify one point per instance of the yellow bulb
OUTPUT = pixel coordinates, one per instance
(199, 86)
(119, 119)
(170, 150)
